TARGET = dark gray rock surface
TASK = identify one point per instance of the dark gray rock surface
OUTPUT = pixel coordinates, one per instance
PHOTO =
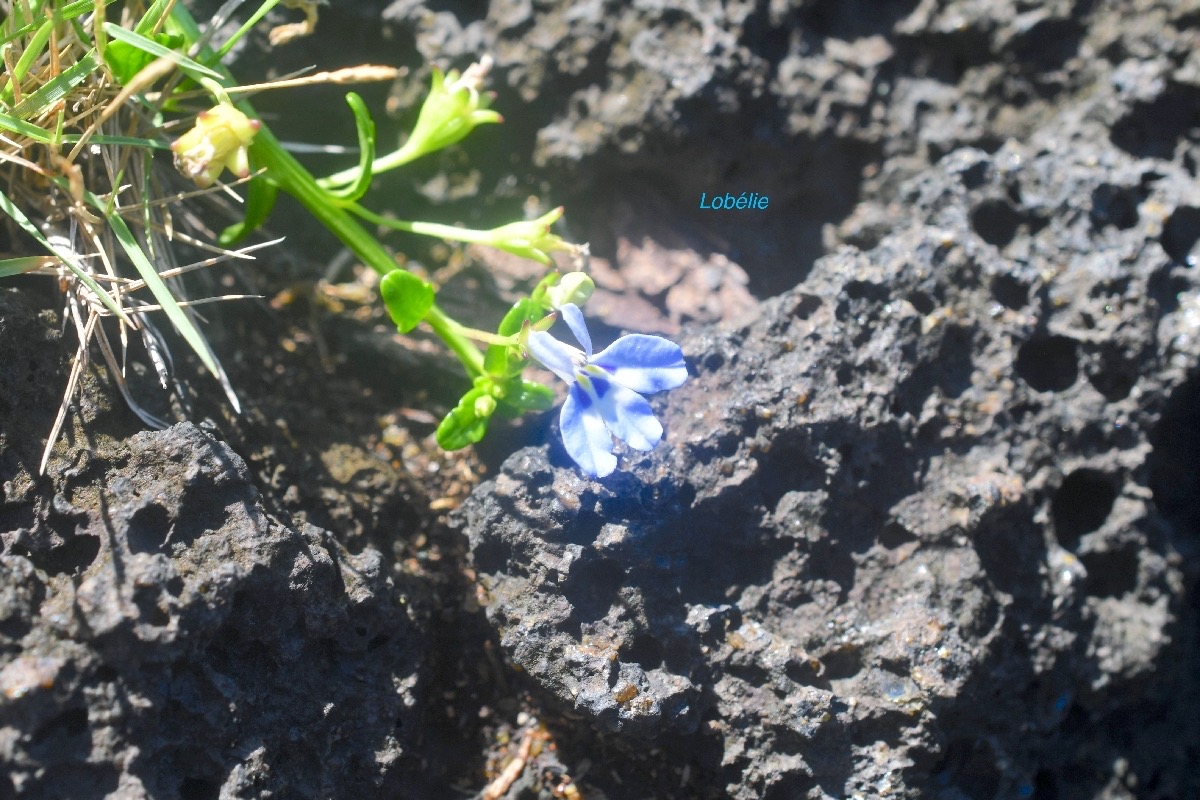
(161, 636)
(923, 526)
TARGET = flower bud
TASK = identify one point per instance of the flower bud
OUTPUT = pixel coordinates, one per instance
(574, 288)
(452, 110)
(485, 405)
(217, 142)
(530, 238)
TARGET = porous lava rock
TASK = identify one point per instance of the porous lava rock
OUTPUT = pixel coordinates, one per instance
(902, 537)
(161, 636)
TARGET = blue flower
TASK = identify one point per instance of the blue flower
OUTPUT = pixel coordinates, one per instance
(606, 390)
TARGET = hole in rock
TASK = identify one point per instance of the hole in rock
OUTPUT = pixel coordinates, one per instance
(146, 599)
(1111, 573)
(199, 789)
(894, 534)
(72, 722)
(148, 528)
(922, 302)
(1010, 292)
(1153, 129)
(1049, 363)
(843, 663)
(74, 555)
(645, 651)
(15, 629)
(1174, 461)
(1081, 505)
(1180, 234)
(203, 509)
(867, 290)
(1115, 205)
(592, 587)
(996, 222)
(1115, 376)
(1165, 287)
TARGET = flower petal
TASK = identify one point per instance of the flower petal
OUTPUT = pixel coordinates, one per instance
(588, 442)
(645, 364)
(555, 356)
(626, 413)
(574, 319)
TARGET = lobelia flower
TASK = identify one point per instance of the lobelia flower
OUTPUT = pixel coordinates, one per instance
(606, 390)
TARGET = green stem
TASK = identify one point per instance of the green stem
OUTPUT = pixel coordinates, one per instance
(450, 331)
(397, 158)
(98, 34)
(440, 231)
(242, 31)
(487, 337)
(293, 178)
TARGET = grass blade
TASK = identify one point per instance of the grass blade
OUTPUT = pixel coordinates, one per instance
(26, 129)
(52, 91)
(194, 69)
(33, 50)
(15, 266)
(69, 12)
(39, 135)
(153, 16)
(8, 207)
(124, 141)
(158, 288)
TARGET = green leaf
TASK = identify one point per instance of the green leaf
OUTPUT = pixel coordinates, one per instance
(463, 425)
(128, 141)
(407, 297)
(191, 68)
(366, 152)
(126, 60)
(501, 360)
(521, 395)
(260, 199)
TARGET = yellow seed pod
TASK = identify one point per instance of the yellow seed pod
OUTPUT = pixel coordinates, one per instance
(217, 142)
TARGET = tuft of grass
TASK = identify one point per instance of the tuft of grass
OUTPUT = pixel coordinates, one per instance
(79, 125)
